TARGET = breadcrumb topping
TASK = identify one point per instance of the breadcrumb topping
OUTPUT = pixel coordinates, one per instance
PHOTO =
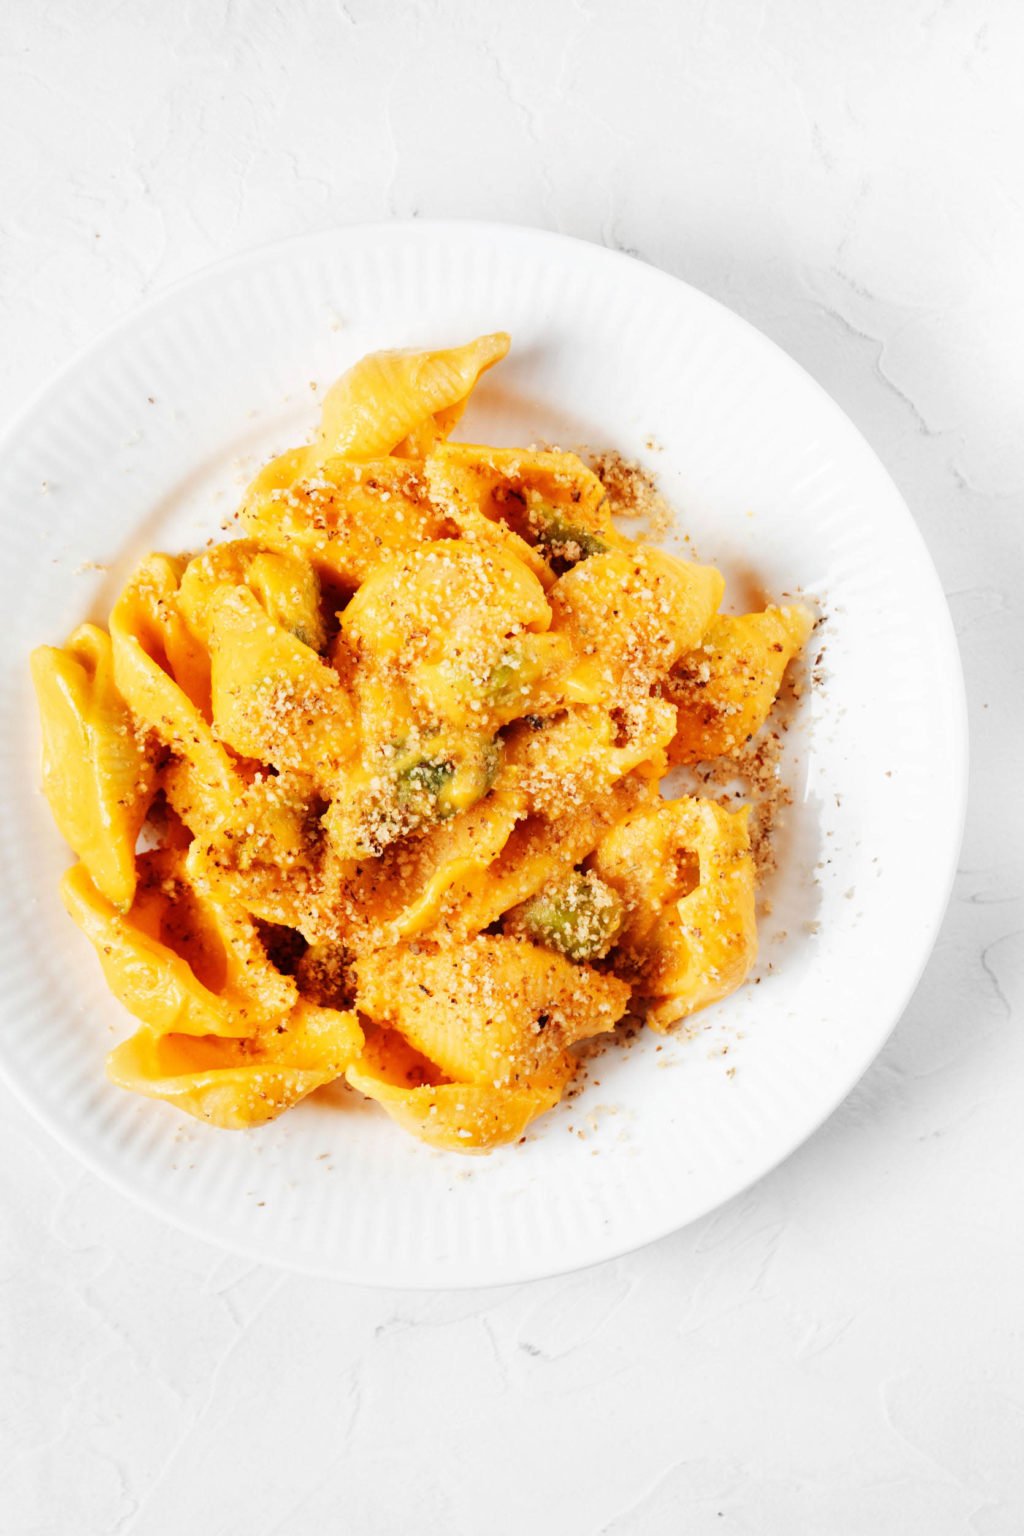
(633, 493)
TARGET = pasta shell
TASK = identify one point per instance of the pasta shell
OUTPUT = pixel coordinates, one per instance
(685, 873)
(725, 688)
(178, 961)
(237, 1084)
(403, 402)
(98, 775)
(454, 1117)
(494, 1010)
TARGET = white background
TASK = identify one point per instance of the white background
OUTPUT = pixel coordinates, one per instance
(841, 1350)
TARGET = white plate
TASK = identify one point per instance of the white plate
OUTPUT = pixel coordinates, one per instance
(144, 441)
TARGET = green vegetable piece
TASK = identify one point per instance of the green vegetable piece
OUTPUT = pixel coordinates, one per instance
(507, 679)
(562, 537)
(473, 776)
(440, 785)
(426, 776)
(580, 918)
(503, 681)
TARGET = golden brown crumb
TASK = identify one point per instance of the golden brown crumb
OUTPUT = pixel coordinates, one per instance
(633, 492)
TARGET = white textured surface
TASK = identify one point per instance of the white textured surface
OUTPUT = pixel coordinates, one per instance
(840, 1350)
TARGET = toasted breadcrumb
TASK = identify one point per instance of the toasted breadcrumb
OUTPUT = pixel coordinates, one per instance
(633, 492)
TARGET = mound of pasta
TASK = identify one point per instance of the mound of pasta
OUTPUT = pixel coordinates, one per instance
(373, 792)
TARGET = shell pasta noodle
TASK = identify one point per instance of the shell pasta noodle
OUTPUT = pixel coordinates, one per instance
(373, 793)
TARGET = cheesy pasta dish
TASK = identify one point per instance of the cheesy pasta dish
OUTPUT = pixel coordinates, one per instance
(373, 792)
